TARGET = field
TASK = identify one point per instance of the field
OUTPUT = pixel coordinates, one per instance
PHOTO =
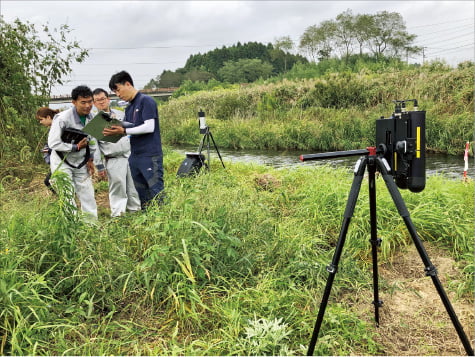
(233, 264)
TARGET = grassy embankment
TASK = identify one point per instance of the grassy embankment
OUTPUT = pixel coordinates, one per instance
(332, 112)
(230, 265)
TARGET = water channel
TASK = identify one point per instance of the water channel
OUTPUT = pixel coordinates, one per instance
(436, 164)
(449, 166)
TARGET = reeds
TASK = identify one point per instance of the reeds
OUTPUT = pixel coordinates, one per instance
(227, 267)
(336, 111)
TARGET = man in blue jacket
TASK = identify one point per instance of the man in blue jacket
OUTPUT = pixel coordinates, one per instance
(146, 158)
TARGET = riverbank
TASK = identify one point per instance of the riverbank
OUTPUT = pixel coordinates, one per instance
(233, 264)
(334, 112)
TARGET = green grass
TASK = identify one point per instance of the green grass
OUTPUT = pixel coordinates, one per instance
(333, 111)
(226, 267)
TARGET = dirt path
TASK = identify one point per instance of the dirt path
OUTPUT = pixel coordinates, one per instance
(413, 319)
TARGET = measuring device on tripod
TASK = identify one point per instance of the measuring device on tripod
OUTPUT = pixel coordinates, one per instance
(400, 158)
(194, 161)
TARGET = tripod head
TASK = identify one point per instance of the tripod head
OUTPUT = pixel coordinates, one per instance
(400, 141)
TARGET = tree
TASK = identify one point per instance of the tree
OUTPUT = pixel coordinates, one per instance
(170, 79)
(32, 61)
(309, 42)
(203, 67)
(345, 31)
(318, 41)
(196, 75)
(282, 46)
(153, 83)
(389, 34)
(245, 70)
(362, 29)
(401, 46)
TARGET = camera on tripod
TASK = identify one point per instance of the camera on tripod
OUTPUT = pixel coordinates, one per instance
(399, 155)
(401, 140)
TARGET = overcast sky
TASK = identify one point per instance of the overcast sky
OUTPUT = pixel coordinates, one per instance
(147, 37)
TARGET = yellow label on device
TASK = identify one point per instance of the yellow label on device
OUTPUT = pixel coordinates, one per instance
(418, 142)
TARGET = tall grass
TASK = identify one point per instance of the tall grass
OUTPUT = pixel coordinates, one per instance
(228, 266)
(335, 111)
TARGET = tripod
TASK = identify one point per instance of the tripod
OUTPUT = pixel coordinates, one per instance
(205, 140)
(374, 162)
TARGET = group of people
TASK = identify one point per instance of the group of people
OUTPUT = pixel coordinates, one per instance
(133, 164)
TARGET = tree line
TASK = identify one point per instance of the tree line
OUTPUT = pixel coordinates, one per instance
(240, 63)
(380, 35)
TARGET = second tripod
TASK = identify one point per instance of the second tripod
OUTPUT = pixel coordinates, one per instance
(194, 161)
(205, 142)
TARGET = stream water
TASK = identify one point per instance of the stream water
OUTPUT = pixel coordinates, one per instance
(436, 164)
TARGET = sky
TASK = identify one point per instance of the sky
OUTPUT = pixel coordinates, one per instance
(147, 37)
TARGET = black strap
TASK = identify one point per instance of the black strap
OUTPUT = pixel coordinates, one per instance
(86, 158)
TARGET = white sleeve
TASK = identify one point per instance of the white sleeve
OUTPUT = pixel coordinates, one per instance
(54, 136)
(147, 127)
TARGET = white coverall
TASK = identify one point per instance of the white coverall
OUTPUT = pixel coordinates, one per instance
(80, 178)
(123, 196)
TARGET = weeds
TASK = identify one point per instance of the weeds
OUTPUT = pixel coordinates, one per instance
(332, 111)
(231, 266)
(226, 267)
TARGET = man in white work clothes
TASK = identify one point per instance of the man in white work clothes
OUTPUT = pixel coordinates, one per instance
(75, 156)
(123, 196)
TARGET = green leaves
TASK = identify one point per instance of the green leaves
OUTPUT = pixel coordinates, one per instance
(383, 32)
(35, 59)
(32, 61)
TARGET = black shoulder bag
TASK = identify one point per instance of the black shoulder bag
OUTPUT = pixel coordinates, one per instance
(73, 136)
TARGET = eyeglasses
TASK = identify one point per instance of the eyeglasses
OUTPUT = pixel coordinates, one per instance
(100, 100)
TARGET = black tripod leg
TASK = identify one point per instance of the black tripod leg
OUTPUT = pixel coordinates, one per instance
(200, 147)
(208, 134)
(204, 141)
(375, 242)
(216, 147)
(333, 267)
(429, 267)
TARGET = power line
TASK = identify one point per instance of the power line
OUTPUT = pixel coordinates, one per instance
(155, 47)
(446, 22)
(462, 45)
(442, 40)
(447, 32)
(446, 50)
(124, 64)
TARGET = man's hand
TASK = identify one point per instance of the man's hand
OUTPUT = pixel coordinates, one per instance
(91, 168)
(102, 175)
(82, 144)
(114, 130)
